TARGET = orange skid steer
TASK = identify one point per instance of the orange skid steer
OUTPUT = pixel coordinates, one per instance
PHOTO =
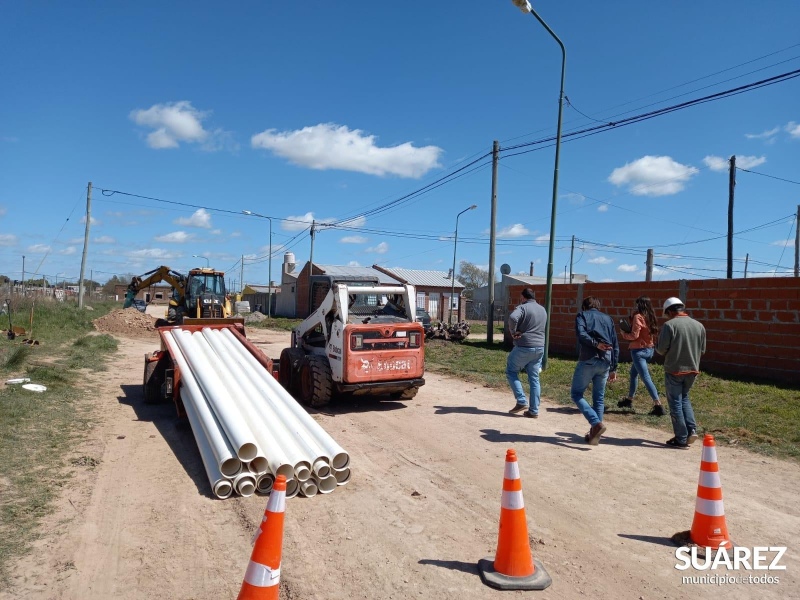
(360, 339)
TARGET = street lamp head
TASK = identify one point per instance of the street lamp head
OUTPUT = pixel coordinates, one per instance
(246, 212)
(473, 207)
(523, 5)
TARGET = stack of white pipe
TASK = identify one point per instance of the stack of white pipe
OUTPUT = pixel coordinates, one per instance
(247, 427)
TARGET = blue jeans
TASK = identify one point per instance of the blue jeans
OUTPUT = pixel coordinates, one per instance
(639, 359)
(594, 371)
(680, 407)
(529, 359)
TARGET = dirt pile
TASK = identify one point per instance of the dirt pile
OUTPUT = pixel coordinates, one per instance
(128, 321)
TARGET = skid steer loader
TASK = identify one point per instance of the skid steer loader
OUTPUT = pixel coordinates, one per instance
(360, 339)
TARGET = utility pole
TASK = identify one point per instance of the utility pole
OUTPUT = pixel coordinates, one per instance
(241, 276)
(571, 254)
(797, 243)
(91, 282)
(492, 227)
(746, 260)
(648, 274)
(311, 265)
(85, 242)
(731, 185)
(530, 270)
(23, 275)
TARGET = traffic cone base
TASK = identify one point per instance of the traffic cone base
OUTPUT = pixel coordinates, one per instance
(538, 581)
(513, 567)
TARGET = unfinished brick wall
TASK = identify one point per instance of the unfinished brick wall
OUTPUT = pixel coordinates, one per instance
(752, 325)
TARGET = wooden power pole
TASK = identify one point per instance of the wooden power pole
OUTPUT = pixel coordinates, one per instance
(731, 185)
(648, 273)
(492, 240)
(85, 242)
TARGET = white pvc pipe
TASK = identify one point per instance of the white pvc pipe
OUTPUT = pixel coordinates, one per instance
(280, 447)
(321, 468)
(220, 486)
(226, 459)
(342, 476)
(339, 459)
(292, 488)
(218, 398)
(244, 484)
(326, 484)
(264, 483)
(308, 489)
(258, 465)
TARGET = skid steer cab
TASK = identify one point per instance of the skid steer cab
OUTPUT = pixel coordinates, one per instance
(360, 339)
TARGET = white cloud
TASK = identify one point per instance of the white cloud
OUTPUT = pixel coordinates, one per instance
(600, 260)
(39, 249)
(330, 146)
(793, 129)
(68, 251)
(176, 237)
(653, 176)
(354, 239)
(8, 239)
(173, 122)
(574, 198)
(784, 243)
(607, 280)
(200, 218)
(381, 248)
(543, 238)
(602, 208)
(718, 163)
(628, 268)
(216, 231)
(298, 223)
(515, 230)
(92, 221)
(353, 263)
(104, 239)
(764, 135)
(149, 253)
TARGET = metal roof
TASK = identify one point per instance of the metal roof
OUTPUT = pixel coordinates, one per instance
(425, 278)
(348, 271)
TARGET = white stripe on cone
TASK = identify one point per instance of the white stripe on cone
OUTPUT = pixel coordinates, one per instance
(277, 501)
(709, 479)
(512, 470)
(709, 454)
(512, 500)
(710, 508)
(259, 575)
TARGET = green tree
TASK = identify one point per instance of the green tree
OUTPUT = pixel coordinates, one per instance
(472, 276)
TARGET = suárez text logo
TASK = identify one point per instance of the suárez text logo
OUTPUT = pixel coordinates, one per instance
(760, 558)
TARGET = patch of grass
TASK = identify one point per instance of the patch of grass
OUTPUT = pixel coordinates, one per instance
(16, 356)
(761, 416)
(280, 323)
(480, 327)
(38, 430)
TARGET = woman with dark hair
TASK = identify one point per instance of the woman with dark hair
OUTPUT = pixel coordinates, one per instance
(644, 329)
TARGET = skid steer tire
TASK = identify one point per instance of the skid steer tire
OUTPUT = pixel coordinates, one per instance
(405, 394)
(289, 369)
(153, 378)
(316, 383)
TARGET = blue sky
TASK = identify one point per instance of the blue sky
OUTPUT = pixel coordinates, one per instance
(327, 111)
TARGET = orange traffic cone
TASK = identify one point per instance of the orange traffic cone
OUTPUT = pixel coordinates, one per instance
(709, 527)
(264, 571)
(513, 567)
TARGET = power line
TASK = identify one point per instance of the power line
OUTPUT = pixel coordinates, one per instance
(770, 176)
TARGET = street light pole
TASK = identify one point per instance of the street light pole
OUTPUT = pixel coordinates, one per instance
(269, 262)
(525, 6)
(453, 273)
(203, 257)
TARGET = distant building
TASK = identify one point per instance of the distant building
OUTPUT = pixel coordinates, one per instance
(480, 296)
(434, 290)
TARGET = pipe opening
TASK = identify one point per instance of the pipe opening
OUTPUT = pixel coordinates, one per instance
(258, 465)
(231, 467)
(292, 488)
(342, 476)
(264, 483)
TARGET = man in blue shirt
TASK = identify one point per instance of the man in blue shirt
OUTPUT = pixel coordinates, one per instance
(526, 324)
(598, 354)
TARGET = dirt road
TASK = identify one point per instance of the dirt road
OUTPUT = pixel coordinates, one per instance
(421, 509)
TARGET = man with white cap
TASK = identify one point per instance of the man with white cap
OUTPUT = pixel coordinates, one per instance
(682, 340)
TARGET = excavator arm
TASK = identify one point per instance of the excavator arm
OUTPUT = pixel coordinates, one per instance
(175, 279)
